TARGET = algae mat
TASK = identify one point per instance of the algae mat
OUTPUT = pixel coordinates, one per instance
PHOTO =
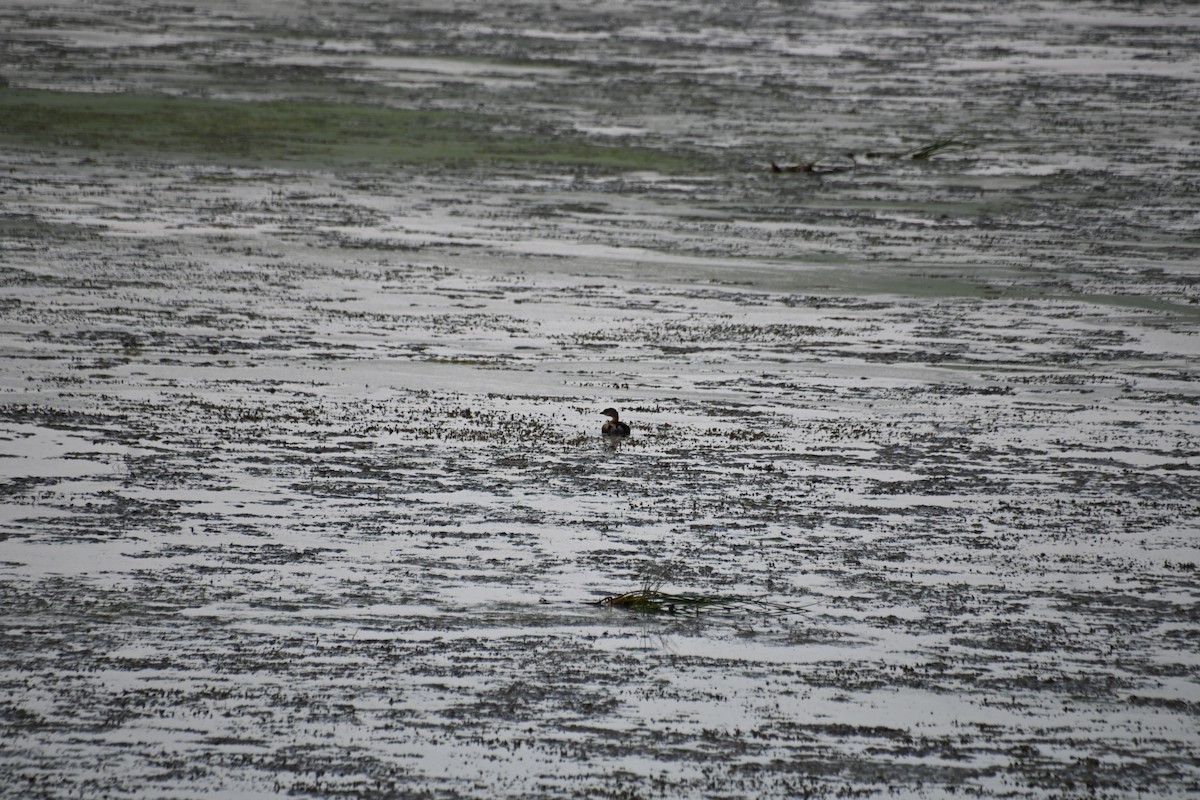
(289, 131)
(308, 318)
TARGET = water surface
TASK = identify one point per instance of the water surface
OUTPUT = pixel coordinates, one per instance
(303, 492)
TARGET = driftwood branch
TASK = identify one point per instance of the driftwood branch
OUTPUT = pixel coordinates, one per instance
(851, 161)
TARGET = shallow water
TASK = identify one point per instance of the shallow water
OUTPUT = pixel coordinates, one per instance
(303, 492)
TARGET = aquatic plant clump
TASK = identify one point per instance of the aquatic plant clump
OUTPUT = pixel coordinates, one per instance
(652, 601)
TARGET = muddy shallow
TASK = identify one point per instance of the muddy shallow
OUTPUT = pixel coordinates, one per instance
(302, 488)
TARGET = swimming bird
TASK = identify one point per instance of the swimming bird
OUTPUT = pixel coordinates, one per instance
(614, 427)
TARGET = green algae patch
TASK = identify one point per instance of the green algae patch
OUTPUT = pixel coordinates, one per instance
(289, 131)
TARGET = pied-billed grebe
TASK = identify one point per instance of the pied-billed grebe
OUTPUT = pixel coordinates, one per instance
(614, 427)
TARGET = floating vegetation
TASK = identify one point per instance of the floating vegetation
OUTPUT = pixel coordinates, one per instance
(653, 601)
(290, 131)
